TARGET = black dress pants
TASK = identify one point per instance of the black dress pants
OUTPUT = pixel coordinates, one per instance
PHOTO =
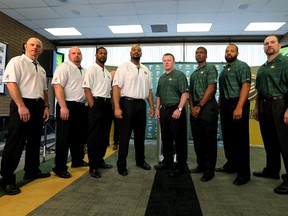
(204, 133)
(134, 119)
(236, 137)
(274, 133)
(23, 134)
(71, 134)
(174, 131)
(100, 120)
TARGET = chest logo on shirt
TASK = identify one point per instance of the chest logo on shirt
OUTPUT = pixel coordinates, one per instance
(228, 69)
(201, 72)
(145, 72)
(170, 79)
(272, 66)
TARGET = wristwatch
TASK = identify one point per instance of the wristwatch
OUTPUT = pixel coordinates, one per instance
(180, 109)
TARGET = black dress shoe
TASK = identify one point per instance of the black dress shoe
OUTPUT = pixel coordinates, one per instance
(207, 177)
(197, 170)
(36, 176)
(105, 166)
(266, 174)
(95, 174)
(144, 166)
(162, 166)
(122, 171)
(225, 170)
(176, 172)
(63, 174)
(282, 188)
(240, 181)
(81, 164)
(11, 189)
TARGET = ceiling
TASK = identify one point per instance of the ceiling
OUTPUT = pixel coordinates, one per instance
(229, 18)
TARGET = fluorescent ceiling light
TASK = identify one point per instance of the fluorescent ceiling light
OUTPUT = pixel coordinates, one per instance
(194, 27)
(264, 26)
(126, 29)
(63, 31)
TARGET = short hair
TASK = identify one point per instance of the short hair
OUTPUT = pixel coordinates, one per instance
(232, 44)
(169, 54)
(100, 48)
(203, 48)
(273, 35)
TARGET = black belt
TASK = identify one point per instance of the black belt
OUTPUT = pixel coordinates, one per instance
(33, 99)
(101, 99)
(169, 106)
(133, 99)
(267, 99)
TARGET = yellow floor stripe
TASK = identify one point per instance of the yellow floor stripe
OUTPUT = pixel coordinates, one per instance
(40, 190)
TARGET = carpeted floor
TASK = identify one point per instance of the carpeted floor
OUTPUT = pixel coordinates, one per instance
(173, 196)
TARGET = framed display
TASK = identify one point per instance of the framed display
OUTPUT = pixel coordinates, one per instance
(3, 61)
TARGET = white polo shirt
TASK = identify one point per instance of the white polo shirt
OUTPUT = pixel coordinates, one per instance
(134, 82)
(99, 80)
(70, 78)
(22, 71)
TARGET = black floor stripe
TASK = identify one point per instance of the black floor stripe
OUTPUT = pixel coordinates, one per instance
(173, 196)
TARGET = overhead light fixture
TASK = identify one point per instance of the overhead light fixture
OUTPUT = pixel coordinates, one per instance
(63, 31)
(126, 29)
(194, 27)
(264, 26)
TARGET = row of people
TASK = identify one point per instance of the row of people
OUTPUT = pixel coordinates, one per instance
(132, 85)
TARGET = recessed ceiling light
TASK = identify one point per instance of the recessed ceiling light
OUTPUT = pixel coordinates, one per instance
(126, 29)
(63, 31)
(194, 27)
(264, 26)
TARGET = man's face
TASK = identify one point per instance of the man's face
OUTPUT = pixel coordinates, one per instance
(136, 52)
(33, 47)
(200, 56)
(231, 53)
(101, 56)
(271, 45)
(168, 62)
(75, 55)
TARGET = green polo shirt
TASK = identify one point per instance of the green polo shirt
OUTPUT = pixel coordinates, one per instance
(232, 77)
(272, 78)
(171, 86)
(200, 79)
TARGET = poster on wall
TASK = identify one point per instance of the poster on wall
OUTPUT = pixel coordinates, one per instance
(3, 60)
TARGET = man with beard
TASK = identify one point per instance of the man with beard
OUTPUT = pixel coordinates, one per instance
(204, 114)
(71, 113)
(97, 87)
(272, 112)
(131, 86)
(234, 85)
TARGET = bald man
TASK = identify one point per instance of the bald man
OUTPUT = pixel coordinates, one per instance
(26, 83)
(131, 86)
(71, 113)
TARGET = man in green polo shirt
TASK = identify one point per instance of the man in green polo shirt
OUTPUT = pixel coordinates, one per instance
(204, 114)
(171, 96)
(272, 112)
(234, 86)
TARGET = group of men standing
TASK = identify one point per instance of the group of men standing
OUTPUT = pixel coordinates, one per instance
(84, 113)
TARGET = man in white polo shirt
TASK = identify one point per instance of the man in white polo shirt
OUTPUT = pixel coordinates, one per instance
(97, 86)
(131, 86)
(26, 82)
(71, 113)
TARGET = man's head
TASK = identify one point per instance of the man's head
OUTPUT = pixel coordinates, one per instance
(33, 47)
(136, 52)
(272, 45)
(75, 56)
(231, 53)
(168, 61)
(201, 55)
(101, 55)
